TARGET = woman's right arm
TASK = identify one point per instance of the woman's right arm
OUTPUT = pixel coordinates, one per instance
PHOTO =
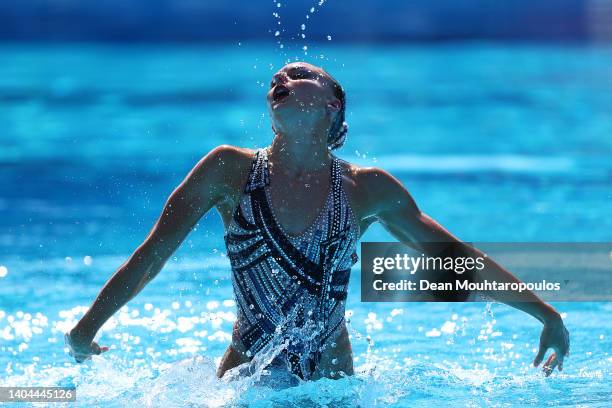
(205, 186)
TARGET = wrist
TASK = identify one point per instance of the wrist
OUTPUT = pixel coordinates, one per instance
(551, 316)
(80, 334)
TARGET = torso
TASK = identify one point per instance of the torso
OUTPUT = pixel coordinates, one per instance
(302, 238)
(356, 198)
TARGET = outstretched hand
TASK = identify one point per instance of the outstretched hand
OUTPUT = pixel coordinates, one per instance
(554, 335)
(82, 351)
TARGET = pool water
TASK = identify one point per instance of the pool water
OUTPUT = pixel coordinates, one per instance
(496, 142)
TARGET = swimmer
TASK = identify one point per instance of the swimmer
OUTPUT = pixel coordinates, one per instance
(293, 213)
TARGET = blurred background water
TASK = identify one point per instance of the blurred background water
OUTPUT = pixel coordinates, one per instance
(497, 140)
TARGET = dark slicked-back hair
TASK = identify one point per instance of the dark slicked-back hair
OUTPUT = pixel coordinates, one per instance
(338, 129)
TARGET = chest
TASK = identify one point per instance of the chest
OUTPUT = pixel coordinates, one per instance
(297, 206)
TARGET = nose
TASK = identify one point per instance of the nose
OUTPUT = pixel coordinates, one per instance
(280, 78)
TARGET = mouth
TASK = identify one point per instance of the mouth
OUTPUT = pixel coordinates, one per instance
(279, 94)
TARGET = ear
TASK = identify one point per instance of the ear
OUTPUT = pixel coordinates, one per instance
(334, 105)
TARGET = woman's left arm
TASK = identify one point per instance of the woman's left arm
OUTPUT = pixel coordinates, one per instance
(395, 209)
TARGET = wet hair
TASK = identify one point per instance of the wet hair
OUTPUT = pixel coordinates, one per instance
(339, 128)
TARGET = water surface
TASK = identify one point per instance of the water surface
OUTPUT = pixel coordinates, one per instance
(496, 142)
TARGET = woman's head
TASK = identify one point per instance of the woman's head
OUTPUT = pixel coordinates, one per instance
(304, 99)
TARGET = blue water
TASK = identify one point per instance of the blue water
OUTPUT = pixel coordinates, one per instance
(496, 142)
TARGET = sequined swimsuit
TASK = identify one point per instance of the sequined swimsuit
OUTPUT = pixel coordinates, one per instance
(290, 289)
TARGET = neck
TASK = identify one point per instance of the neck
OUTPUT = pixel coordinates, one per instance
(297, 157)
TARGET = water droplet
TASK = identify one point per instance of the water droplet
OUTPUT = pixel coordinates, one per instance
(248, 353)
(251, 307)
(276, 34)
(88, 260)
(305, 47)
(303, 27)
(329, 38)
(335, 361)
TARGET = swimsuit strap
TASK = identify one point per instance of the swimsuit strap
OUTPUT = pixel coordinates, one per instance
(259, 176)
(336, 180)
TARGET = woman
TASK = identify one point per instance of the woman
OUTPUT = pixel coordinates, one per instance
(293, 214)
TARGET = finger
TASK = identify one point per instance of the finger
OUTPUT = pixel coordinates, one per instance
(550, 364)
(559, 356)
(540, 356)
(81, 357)
(95, 348)
(560, 361)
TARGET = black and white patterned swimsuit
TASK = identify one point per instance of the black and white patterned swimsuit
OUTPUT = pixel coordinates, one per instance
(290, 289)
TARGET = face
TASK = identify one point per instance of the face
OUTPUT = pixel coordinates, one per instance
(301, 95)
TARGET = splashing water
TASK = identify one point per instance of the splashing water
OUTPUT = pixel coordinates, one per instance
(301, 33)
(165, 354)
(181, 324)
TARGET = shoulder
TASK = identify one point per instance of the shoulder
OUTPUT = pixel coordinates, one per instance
(224, 161)
(369, 179)
(226, 155)
(373, 189)
(221, 172)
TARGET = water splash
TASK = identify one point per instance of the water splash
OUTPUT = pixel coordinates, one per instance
(298, 37)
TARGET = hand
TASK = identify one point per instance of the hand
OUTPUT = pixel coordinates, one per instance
(81, 349)
(554, 335)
